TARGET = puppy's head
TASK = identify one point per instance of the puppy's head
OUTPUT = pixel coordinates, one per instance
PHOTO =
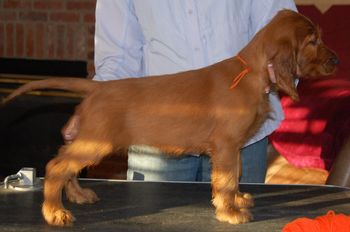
(293, 45)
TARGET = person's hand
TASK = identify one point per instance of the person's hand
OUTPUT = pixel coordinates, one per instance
(272, 76)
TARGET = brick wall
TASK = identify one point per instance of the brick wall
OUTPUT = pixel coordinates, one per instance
(48, 29)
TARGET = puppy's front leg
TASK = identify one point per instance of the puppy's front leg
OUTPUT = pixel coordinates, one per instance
(231, 205)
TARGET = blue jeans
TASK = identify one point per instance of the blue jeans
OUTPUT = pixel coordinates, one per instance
(147, 163)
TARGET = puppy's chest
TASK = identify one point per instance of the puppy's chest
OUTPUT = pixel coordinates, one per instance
(262, 110)
(256, 109)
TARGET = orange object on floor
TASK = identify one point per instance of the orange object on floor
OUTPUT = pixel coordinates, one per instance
(327, 223)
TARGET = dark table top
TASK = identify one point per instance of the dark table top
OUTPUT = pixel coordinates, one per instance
(164, 206)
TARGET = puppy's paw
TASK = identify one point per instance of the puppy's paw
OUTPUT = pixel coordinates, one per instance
(57, 217)
(243, 200)
(83, 196)
(233, 216)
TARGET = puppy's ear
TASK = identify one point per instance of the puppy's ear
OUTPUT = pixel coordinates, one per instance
(283, 58)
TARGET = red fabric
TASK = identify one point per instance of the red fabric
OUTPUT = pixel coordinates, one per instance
(315, 128)
(327, 223)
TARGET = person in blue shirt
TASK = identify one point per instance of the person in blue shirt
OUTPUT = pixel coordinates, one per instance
(138, 38)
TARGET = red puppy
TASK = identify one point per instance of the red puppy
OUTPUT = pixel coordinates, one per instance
(213, 110)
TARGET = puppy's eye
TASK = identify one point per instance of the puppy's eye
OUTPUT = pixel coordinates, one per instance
(313, 42)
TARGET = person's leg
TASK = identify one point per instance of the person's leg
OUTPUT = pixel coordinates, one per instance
(204, 172)
(149, 164)
(254, 162)
(145, 163)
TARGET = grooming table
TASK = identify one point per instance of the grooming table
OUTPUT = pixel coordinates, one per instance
(170, 206)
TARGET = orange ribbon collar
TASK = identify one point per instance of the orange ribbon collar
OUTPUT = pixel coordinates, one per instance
(242, 74)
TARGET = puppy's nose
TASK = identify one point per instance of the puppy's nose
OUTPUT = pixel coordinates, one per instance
(334, 60)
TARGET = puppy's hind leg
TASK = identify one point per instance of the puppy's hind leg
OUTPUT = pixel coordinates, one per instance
(76, 194)
(62, 169)
(57, 174)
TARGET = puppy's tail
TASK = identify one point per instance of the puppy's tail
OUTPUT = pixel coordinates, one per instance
(81, 86)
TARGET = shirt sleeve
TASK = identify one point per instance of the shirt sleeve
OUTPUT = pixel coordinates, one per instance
(263, 11)
(118, 41)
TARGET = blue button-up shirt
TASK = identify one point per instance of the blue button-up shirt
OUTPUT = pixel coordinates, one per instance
(136, 38)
